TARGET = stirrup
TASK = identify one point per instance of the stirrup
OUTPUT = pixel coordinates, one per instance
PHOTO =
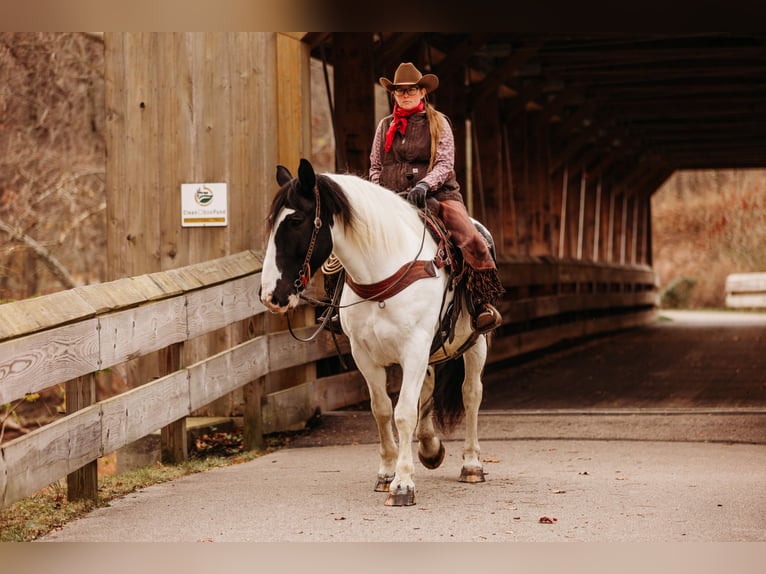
(486, 319)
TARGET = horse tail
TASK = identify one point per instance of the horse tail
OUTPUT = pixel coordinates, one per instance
(448, 394)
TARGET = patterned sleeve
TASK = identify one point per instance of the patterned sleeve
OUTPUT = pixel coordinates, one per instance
(375, 164)
(444, 162)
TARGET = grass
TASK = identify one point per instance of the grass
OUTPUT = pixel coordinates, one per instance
(48, 509)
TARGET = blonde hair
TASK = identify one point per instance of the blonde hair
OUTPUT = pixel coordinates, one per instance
(436, 122)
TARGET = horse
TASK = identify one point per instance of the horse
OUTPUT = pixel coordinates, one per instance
(380, 238)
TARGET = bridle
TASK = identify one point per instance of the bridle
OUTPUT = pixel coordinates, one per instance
(304, 273)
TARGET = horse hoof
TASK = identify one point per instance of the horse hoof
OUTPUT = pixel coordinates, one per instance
(472, 475)
(402, 497)
(383, 484)
(433, 461)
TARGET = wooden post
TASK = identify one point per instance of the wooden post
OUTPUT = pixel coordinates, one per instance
(581, 217)
(173, 438)
(253, 419)
(563, 219)
(82, 484)
(597, 222)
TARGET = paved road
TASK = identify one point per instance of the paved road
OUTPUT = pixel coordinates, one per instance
(668, 443)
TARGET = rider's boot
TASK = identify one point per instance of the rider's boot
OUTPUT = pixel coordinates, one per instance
(486, 318)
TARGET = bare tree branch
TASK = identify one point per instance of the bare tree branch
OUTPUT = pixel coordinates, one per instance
(58, 270)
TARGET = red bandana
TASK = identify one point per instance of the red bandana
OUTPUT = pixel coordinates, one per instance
(400, 122)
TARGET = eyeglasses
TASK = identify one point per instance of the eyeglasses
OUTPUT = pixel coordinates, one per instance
(411, 91)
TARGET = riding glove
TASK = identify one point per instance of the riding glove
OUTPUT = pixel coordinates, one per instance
(417, 195)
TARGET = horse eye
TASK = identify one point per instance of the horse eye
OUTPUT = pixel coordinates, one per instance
(296, 219)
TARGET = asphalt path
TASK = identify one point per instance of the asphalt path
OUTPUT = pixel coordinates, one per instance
(656, 434)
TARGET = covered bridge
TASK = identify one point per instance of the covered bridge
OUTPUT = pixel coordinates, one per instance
(562, 139)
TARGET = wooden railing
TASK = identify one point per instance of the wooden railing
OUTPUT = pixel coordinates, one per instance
(67, 337)
(746, 290)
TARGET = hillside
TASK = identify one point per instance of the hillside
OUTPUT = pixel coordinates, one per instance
(706, 225)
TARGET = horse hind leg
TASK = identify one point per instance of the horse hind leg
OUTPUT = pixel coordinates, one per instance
(472, 470)
(430, 448)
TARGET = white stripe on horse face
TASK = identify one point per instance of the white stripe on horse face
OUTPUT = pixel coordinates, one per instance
(270, 273)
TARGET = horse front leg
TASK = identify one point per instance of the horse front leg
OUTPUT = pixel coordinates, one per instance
(430, 448)
(382, 411)
(475, 357)
(402, 491)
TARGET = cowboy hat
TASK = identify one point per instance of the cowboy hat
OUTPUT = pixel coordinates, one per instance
(408, 75)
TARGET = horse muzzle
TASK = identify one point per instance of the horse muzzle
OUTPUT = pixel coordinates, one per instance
(271, 302)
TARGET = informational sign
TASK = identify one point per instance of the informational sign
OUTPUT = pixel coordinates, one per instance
(204, 205)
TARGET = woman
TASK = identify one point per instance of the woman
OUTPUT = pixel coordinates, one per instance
(414, 152)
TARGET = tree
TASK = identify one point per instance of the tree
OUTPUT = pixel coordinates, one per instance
(52, 162)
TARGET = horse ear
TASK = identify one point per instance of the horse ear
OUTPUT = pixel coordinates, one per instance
(306, 175)
(283, 175)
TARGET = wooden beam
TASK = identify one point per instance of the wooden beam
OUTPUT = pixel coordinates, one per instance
(506, 71)
(389, 54)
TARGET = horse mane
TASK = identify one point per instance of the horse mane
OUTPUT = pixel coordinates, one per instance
(332, 199)
(374, 208)
(363, 209)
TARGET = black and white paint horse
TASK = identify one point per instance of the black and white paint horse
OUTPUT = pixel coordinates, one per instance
(377, 236)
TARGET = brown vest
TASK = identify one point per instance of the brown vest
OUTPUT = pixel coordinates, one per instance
(407, 162)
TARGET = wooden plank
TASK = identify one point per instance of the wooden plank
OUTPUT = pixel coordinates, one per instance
(747, 282)
(285, 351)
(104, 297)
(293, 101)
(144, 410)
(141, 330)
(38, 361)
(45, 455)
(223, 269)
(116, 182)
(215, 307)
(214, 377)
(340, 390)
(289, 409)
(177, 154)
(39, 313)
(749, 301)
(139, 246)
(82, 484)
(161, 284)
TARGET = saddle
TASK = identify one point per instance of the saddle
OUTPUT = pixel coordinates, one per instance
(449, 256)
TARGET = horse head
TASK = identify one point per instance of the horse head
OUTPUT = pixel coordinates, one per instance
(299, 239)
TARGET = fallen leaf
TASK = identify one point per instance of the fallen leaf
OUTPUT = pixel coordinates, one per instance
(547, 520)
(490, 459)
(557, 491)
